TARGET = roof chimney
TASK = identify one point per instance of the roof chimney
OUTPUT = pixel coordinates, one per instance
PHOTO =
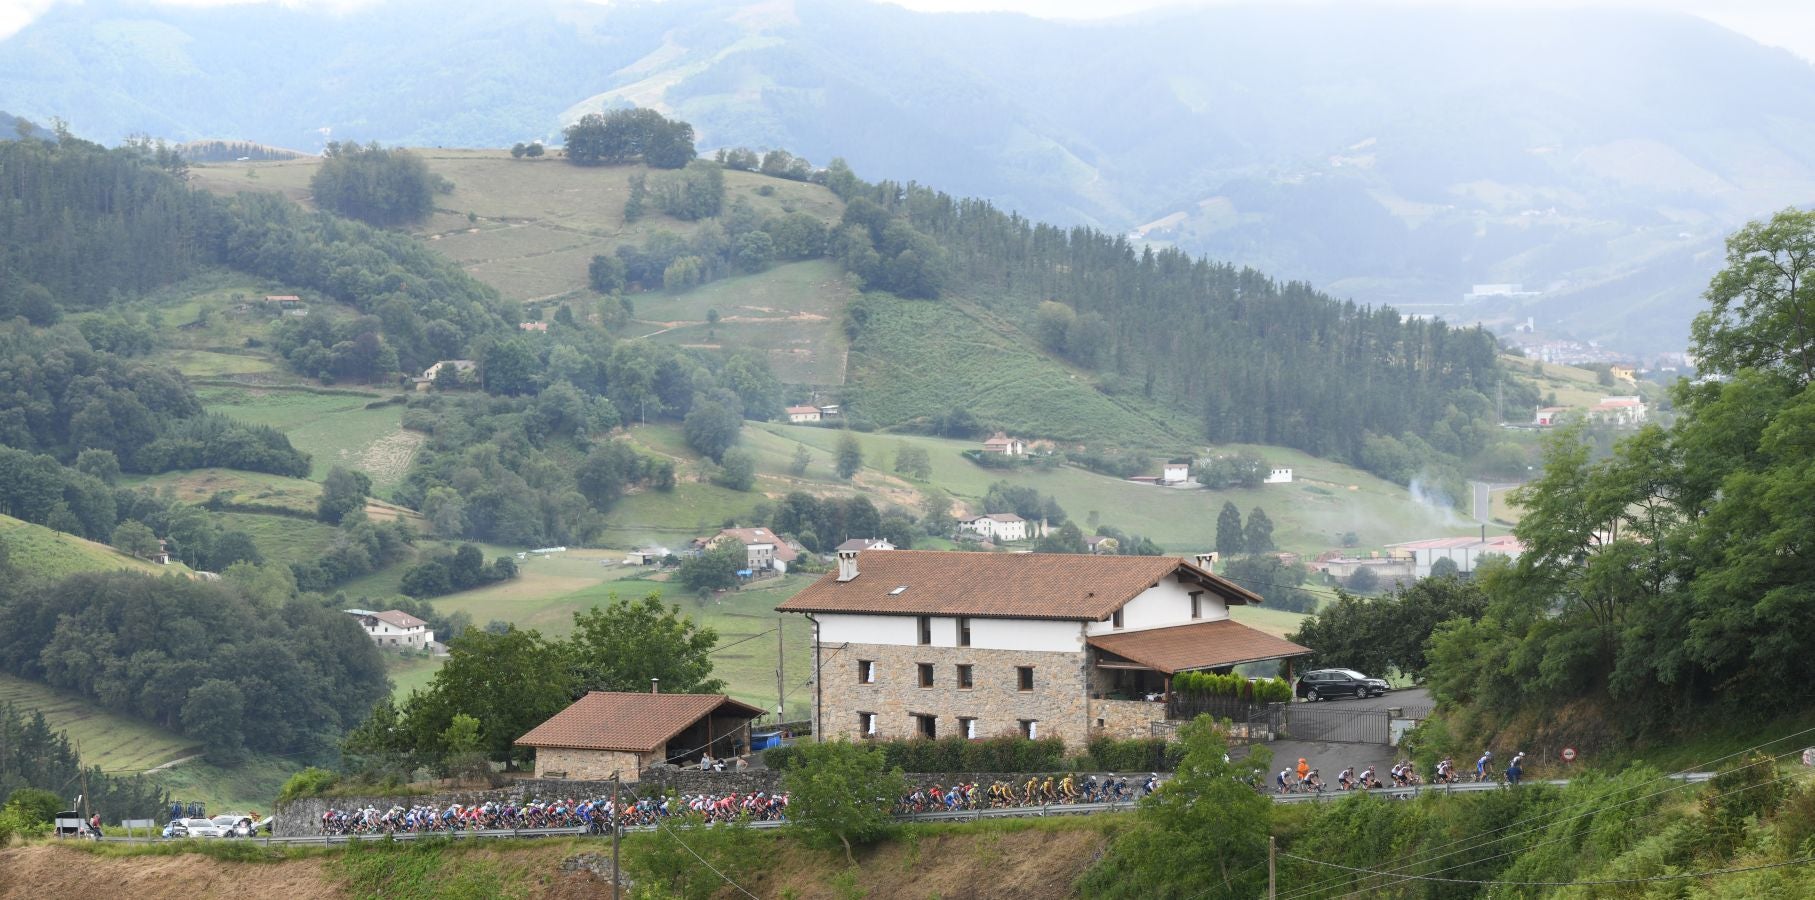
(847, 565)
(1207, 561)
(655, 685)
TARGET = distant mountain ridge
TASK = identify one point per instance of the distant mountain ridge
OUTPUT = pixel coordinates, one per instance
(1389, 154)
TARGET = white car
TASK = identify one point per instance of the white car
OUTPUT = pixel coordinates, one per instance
(200, 828)
(234, 825)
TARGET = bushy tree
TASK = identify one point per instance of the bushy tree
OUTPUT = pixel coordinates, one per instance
(843, 794)
(373, 184)
(712, 426)
(849, 456)
(343, 492)
(1258, 534)
(1203, 833)
(1230, 539)
(623, 644)
(737, 470)
(715, 569)
(1390, 631)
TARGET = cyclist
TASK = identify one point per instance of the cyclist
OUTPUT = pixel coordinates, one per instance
(1487, 757)
(1303, 769)
(1152, 784)
(1514, 771)
(1068, 789)
(1446, 771)
(1345, 779)
(1368, 781)
(1283, 780)
(1311, 782)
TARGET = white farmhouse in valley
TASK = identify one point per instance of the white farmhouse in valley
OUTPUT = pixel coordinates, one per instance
(935, 643)
(996, 527)
(801, 414)
(395, 629)
(1279, 475)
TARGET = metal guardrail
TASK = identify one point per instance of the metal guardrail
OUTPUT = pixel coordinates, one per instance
(957, 815)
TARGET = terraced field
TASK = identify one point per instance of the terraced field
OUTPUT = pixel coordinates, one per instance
(115, 743)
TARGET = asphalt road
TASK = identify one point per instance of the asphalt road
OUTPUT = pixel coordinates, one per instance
(1411, 698)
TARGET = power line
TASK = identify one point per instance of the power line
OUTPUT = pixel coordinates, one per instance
(1606, 881)
(1567, 837)
(1432, 855)
(677, 839)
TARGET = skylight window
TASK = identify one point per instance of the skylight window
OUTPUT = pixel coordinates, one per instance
(898, 591)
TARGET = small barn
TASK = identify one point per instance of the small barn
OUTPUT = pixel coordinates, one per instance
(607, 732)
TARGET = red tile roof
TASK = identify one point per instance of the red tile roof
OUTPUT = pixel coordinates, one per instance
(1203, 645)
(749, 536)
(1002, 585)
(636, 723)
(399, 618)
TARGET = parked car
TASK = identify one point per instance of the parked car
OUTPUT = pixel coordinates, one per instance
(199, 828)
(234, 825)
(1325, 683)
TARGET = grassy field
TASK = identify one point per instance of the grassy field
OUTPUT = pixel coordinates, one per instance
(282, 539)
(114, 742)
(793, 314)
(410, 673)
(916, 360)
(49, 554)
(528, 227)
(1309, 516)
(334, 429)
(241, 789)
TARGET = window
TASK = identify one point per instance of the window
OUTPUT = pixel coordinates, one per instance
(926, 726)
(1030, 728)
(968, 726)
(1024, 678)
(926, 630)
(926, 674)
(1197, 604)
(866, 671)
(866, 724)
(964, 632)
(1115, 619)
(964, 676)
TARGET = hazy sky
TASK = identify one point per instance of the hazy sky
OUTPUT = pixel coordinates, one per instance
(1780, 23)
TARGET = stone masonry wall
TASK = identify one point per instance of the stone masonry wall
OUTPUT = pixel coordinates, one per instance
(1058, 701)
(587, 765)
(1125, 719)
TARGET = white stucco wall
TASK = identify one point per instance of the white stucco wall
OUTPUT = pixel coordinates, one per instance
(986, 634)
(1165, 604)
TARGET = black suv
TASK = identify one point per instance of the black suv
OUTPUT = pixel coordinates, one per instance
(1339, 683)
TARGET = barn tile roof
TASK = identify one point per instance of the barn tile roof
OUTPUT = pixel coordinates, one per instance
(748, 536)
(399, 619)
(1201, 645)
(1004, 585)
(632, 722)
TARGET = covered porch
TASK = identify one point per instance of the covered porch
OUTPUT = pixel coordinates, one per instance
(1131, 672)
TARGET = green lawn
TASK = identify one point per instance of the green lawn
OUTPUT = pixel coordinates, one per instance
(114, 742)
(917, 359)
(411, 673)
(334, 429)
(251, 786)
(283, 539)
(248, 488)
(793, 314)
(50, 554)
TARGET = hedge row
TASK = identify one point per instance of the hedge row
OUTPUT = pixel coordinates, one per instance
(1009, 754)
(1210, 684)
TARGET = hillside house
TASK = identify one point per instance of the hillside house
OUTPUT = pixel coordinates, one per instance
(1098, 543)
(764, 550)
(462, 366)
(285, 301)
(937, 643)
(1341, 566)
(799, 414)
(1175, 473)
(1465, 552)
(1628, 374)
(861, 544)
(608, 733)
(394, 629)
(541, 327)
(1279, 475)
(1623, 412)
(1547, 416)
(996, 527)
(828, 411)
(1001, 443)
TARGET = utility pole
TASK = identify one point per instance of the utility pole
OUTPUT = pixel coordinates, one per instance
(781, 694)
(616, 817)
(1272, 883)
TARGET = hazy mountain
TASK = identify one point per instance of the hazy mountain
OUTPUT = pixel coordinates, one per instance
(1393, 155)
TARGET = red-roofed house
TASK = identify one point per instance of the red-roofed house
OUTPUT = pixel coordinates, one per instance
(1001, 443)
(996, 527)
(764, 549)
(1622, 411)
(395, 628)
(1465, 552)
(937, 643)
(799, 414)
(608, 733)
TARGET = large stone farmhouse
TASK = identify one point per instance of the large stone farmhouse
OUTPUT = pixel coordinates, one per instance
(934, 644)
